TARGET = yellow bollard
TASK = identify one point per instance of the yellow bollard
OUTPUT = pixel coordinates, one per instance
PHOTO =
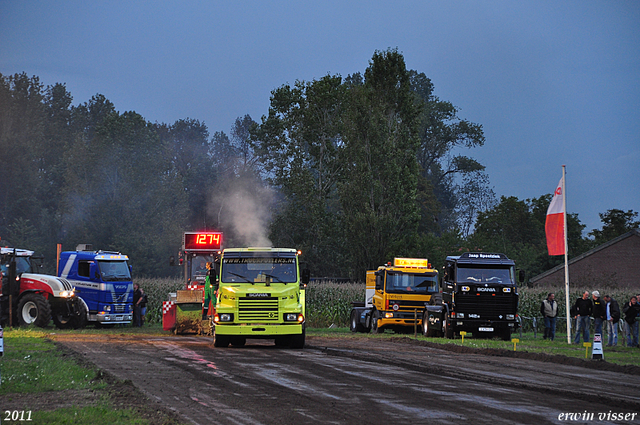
(515, 341)
(586, 345)
(462, 334)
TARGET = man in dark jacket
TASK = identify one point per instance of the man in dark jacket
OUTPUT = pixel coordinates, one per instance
(599, 312)
(549, 311)
(583, 309)
(613, 317)
(631, 312)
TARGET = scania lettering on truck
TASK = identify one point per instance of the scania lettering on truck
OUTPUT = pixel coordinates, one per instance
(480, 296)
(261, 294)
(396, 296)
(102, 280)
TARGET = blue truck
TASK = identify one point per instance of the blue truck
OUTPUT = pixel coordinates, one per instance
(102, 280)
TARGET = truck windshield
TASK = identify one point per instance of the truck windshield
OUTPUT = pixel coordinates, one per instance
(412, 283)
(259, 270)
(485, 275)
(114, 271)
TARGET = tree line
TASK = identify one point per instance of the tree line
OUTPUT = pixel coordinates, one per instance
(351, 170)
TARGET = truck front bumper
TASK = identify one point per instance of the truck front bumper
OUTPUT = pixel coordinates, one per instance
(107, 318)
(258, 330)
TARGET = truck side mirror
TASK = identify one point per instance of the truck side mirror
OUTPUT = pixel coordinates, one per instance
(378, 282)
(305, 276)
(521, 275)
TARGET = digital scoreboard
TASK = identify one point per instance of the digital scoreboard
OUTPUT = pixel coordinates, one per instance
(202, 241)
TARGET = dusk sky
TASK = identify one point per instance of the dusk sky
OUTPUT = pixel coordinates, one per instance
(551, 82)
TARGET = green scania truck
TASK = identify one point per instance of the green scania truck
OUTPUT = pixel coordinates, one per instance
(261, 294)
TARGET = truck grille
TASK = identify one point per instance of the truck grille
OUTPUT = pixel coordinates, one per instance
(119, 308)
(258, 310)
(485, 305)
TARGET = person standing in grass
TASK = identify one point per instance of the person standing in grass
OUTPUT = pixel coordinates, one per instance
(613, 317)
(631, 312)
(599, 312)
(549, 310)
(583, 308)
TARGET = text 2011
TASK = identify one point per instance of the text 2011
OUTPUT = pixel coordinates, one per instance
(17, 415)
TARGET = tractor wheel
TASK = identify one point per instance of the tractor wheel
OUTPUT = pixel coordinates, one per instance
(34, 309)
(76, 319)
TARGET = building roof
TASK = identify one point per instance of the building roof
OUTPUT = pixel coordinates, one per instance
(634, 232)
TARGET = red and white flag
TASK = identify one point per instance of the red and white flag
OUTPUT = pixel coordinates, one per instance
(554, 226)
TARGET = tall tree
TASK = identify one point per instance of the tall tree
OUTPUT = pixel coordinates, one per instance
(378, 189)
(615, 223)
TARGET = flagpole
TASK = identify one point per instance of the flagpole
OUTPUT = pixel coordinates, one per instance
(566, 257)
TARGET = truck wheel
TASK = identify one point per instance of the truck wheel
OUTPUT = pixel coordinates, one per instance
(506, 335)
(221, 341)
(374, 323)
(34, 309)
(238, 341)
(297, 341)
(447, 330)
(355, 324)
(427, 327)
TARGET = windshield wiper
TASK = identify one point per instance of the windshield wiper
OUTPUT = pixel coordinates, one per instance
(276, 278)
(242, 277)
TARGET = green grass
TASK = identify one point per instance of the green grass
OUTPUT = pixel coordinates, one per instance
(528, 343)
(32, 365)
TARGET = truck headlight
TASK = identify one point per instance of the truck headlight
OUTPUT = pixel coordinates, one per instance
(460, 315)
(107, 308)
(223, 317)
(293, 317)
(511, 317)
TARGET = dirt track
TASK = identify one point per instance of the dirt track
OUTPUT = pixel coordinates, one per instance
(349, 381)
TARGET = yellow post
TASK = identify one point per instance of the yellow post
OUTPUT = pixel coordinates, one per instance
(515, 341)
(462, 334)
(586, 345)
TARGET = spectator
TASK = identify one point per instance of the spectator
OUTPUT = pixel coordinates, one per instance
(549, 311)
(143, 306)
(583, 308)
(599, 312)
(631, 312)
(137, 296)
(613, 317)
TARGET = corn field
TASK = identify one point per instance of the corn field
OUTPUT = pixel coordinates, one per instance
(329, 303)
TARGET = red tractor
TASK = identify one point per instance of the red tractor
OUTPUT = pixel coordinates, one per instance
(28, 298)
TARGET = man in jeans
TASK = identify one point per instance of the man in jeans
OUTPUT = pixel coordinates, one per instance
(583, 309)
(613, 317)
(599, 312)
(631, 312)
(549, 310)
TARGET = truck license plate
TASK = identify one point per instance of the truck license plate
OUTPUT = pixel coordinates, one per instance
(119, 317)
(485, 329)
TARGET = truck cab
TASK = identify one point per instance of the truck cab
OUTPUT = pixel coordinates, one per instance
(480, 296)
(103, 281)
(396, 296)
(261, 294)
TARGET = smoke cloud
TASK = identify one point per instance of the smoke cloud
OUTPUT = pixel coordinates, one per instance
(242, 208)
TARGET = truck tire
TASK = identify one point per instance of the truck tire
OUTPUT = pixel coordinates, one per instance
(34, 309)
(297, 341)
(238, 341)
(427, 327)
(505, 334)
(221, 341)
(355, 325)
(374, 323)
(447, 330)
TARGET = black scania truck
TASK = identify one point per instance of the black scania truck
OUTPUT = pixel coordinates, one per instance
(479, 295)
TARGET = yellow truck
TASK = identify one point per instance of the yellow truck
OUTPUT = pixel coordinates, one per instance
(261, 294)
(396, 296)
